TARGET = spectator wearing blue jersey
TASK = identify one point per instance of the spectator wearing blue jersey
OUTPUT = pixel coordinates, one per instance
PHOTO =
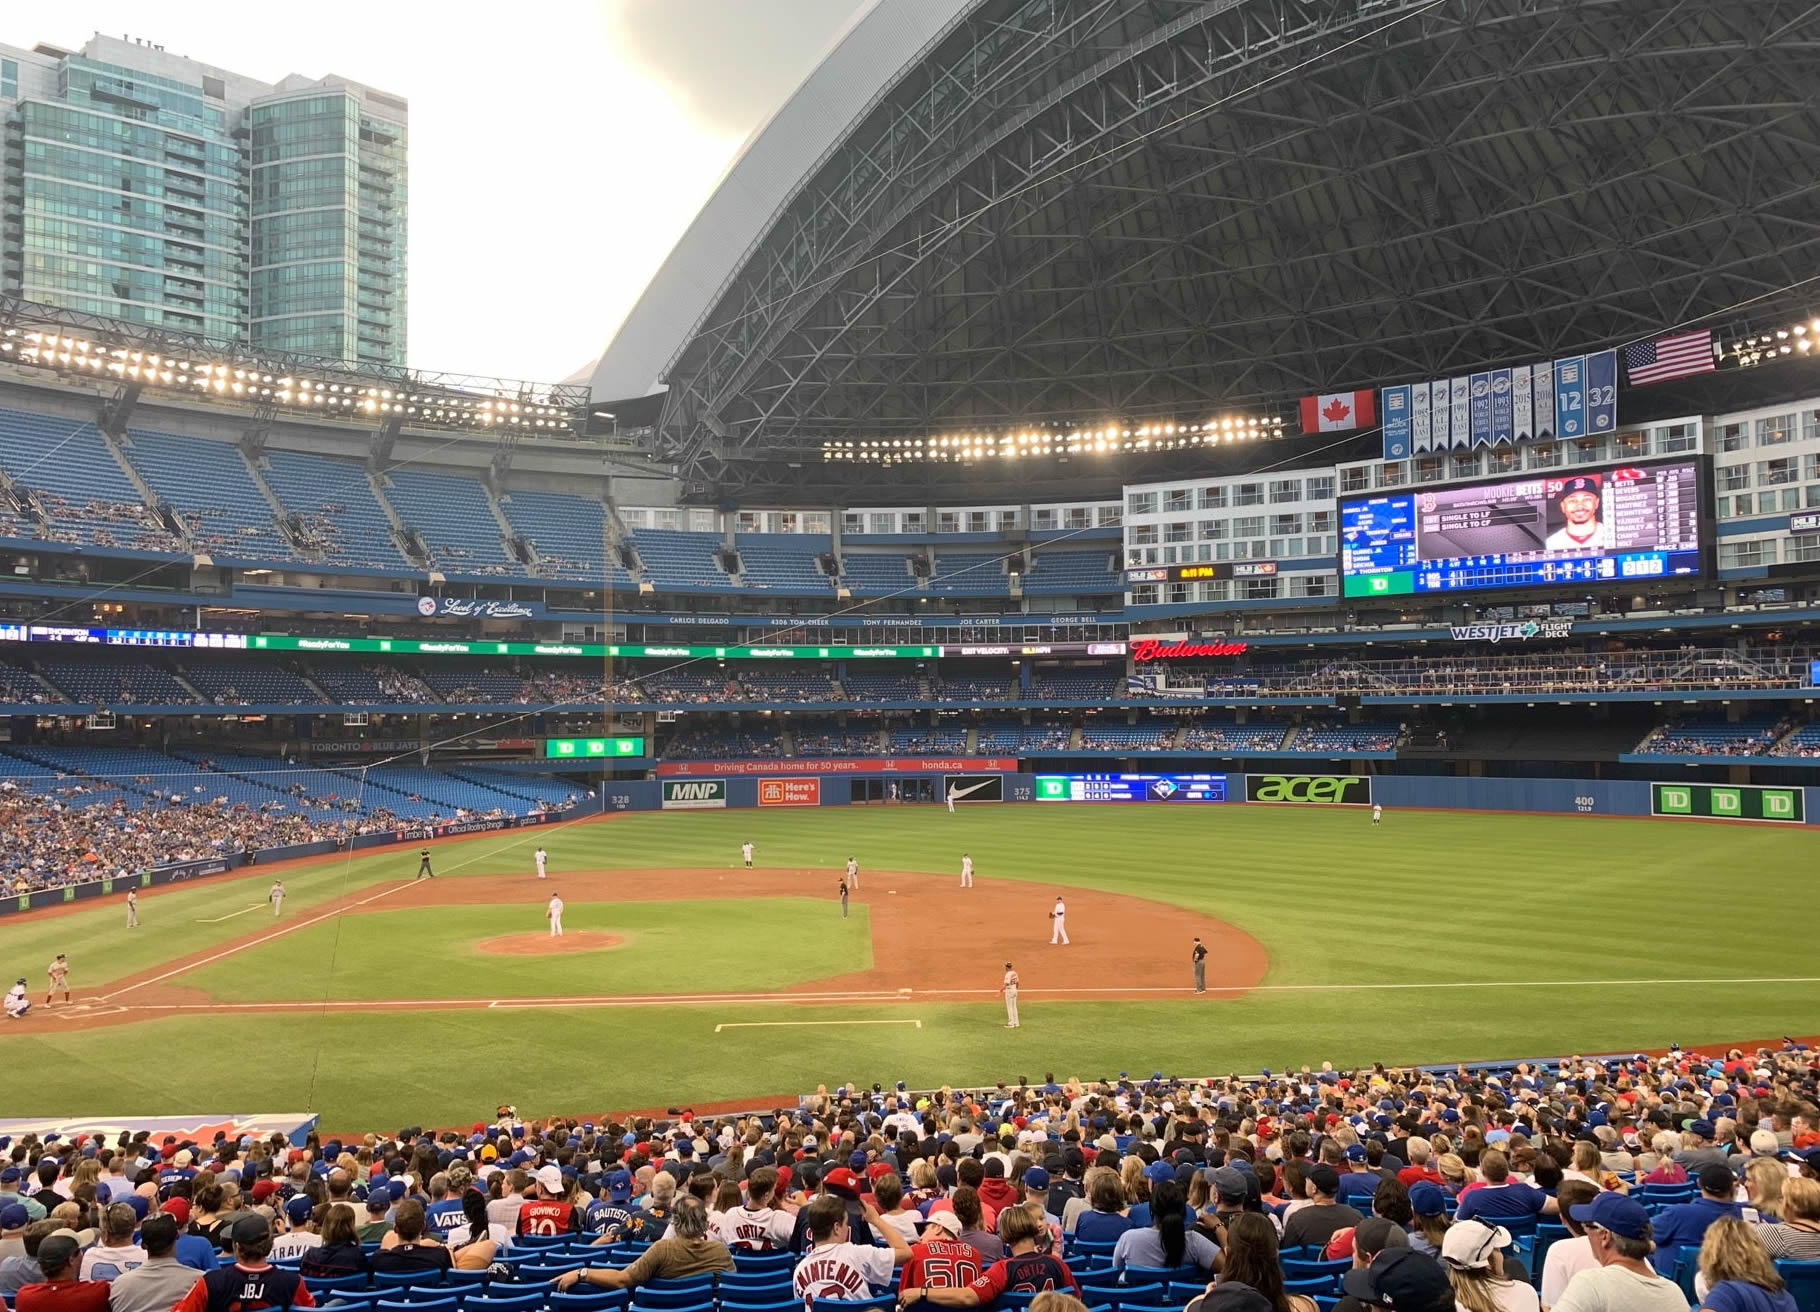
(1500, 1198)
(1684, 1225)
(443, 1213)
(608, 1217)
(1357, 1179)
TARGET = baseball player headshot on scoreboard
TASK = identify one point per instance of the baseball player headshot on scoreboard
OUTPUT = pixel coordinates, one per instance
(1581, 506)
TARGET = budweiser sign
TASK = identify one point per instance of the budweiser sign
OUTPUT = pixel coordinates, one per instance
(1154, 649)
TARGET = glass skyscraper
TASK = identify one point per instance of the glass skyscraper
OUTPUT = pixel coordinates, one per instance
(145, 186)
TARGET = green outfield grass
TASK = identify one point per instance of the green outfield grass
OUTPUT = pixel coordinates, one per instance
(356, 956)
(1438, 936)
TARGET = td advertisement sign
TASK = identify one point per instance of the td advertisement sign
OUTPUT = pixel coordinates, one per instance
(1728, 802)
(695, 794)
(1309, 789)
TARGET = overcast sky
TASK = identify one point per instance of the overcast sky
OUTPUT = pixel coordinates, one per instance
(558, 147)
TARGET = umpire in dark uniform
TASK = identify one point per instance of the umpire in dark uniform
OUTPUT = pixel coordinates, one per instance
(1200, 966)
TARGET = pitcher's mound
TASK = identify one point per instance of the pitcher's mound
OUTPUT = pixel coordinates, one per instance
(541, 944)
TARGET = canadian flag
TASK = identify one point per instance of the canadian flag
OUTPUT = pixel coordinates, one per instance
(1337, 412)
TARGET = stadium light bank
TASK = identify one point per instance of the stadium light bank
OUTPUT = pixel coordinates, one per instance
(1019, 444)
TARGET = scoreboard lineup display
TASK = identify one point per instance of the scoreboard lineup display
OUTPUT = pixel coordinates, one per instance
(1632, 522)
(1131, 788)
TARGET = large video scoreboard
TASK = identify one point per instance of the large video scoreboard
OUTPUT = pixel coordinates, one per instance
(1131, 788)
(1569, 527)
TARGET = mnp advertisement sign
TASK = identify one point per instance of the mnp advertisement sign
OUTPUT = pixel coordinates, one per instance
(1309, 789)
(695, 794)
(1728, 802)
(789, 792)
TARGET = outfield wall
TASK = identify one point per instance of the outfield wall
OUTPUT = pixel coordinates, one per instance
(1623, 797)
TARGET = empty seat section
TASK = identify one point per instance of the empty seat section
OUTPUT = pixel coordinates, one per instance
(419, 786)
(675, 559)
(1076, 686)
(881, 687)
(18, 687)
(869, 574)
(707, 743)
(207, 482)
(1344, 738)
(945, 739)
(111, 680)
(569, 533)
(975, 688)
(335, 507)
(1220, 736)
(478, 684)
(788, 686)
(1071, 573)
(963, 574)
(1144, 736)
(526, 787)
(354, 683)
(783, 562)
(246, 683)
(451, 515)
(813, 738)
(86, 495)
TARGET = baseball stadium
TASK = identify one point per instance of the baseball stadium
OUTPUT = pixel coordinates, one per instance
(1228, 585)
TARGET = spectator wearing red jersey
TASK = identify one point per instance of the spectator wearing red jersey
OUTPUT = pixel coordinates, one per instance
(547, 1211)
(1022, 1271)
(1421, 1166)
(60, 1291)
(940, 1259)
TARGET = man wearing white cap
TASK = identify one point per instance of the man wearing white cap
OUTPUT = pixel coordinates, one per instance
(554, 912)
(548, 1210)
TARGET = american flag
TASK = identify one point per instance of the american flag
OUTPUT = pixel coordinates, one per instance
(1681, 356)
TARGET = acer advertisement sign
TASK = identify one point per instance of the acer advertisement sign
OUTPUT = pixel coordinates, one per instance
(1309, 789)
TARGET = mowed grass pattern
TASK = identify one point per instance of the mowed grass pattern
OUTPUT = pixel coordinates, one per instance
(1435, 937)
(358, 957)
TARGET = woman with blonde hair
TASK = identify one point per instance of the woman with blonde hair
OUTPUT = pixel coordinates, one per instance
(1796, 1237)
(1664, 1169)
(1054, 1300)
(1763, 1181)
(1736, 1274)
(1475, 1268)
(1454, 1176)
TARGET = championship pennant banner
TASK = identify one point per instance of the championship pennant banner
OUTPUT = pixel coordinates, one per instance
(1576, 396)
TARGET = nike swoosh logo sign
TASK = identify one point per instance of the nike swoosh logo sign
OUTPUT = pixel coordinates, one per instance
(965, 792)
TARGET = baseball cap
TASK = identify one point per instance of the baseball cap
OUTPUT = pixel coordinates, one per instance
(1616, 1213)
(252, 1229)
(1234, 1296)
(1809, 1155)
(1325, 1179)
(1716, 1178)
(1702, 1127)
(1355, 1152)
(1469, 1244)
(856, 1160)
(946, 1220)
(1403, 1280)
(1579, 483)
(58, 1251)
(298, 1209)
(1375, 1234)
(263, 1189)
(1228, 1182)
(178, 1209)
(1036, 1178)
(14, 1216)
(619, 1185)
(549, 1179)
(1426, 1199)
(842, 1181)
(1158, 1171)
(380, 1200)
(9, 1175)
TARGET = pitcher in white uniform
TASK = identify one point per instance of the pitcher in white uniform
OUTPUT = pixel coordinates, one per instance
(1009, 989)
(1058, 920)
(966, 871)
(555, 914)
(541, 857)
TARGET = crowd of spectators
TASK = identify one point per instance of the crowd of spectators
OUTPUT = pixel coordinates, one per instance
(1415, 1191)
(102, 523)
(80, 830)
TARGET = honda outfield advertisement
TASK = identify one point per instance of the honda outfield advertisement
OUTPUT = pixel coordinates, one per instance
(1309, 789)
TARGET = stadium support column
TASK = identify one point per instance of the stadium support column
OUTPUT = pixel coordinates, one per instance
(1023, 676)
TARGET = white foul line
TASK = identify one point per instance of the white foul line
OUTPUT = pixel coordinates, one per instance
(242, 947)
(774, 1024)
(250, 906)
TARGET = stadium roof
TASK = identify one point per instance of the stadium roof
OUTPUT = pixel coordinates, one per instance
(777, 159)
(1078, 209)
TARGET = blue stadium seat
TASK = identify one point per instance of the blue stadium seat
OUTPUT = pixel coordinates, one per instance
(1803, 1281)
